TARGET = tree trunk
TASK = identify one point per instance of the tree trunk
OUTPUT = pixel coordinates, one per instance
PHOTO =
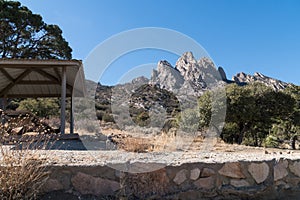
(241, 135)
(293, 142)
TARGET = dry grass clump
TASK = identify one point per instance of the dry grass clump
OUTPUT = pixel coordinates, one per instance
(22, 173)
(161, 142)
(139, 145)
(164, 142)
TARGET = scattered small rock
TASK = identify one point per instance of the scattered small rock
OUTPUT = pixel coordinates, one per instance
(266, 152)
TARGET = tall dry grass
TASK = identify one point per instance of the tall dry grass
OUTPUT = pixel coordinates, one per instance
(22, 174)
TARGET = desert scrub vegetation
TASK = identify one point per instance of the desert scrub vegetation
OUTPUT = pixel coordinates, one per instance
(18, 125)
(23, 172)
(256, 115)
(155, 143)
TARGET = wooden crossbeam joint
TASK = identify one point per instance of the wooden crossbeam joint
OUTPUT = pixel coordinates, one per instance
(5, 90)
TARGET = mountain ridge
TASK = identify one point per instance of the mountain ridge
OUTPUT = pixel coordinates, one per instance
(200, 75)
(170, 88)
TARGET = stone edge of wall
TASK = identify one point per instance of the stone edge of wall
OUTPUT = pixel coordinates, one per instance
(244, 179)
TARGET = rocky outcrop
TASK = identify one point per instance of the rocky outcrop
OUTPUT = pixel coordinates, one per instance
(243, 79)
(22, 125)
(168, 88)
(195, 76)
(189, 75)
(140, 80)
(191, 71)
(167, 77)
(222, 73)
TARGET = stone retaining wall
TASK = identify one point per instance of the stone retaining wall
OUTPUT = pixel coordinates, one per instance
(275, 179)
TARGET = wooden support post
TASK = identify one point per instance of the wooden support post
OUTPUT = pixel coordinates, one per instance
(63, 100)
(4, 103)
(71, 117)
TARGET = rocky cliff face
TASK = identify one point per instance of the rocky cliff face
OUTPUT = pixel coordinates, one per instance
(189, 76)
(166, 77)
(192, 77)
(170, 89)
(242, 79)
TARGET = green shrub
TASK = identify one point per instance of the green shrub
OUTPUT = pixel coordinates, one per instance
(142, 119)
(271, 142)
(42, 107)
(189, 120)
(107, 118)
(230, 132)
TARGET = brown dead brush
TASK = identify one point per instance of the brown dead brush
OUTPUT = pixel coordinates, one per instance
(132, 144)
(22, 172)
(161, 142)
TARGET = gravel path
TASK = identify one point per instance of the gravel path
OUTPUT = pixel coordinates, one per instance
(83, 158)
(73, 152)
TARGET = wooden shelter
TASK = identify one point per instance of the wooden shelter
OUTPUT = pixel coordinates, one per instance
(31, 78)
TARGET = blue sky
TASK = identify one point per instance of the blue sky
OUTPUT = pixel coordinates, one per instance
(240, 35)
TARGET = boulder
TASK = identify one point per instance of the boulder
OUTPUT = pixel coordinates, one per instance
(180, 177)
(280, 169)
(207, 172)
(195, 173)
(232, 170)
(295, 168)
(259, 171)
(205, 183)
(87, 184)
(242, 78)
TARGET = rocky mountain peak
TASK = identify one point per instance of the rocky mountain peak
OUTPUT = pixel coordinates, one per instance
(243, 78)
(188, 75)
(166, 77)
(186, 64)
(140, 80)
(186, 58)
(194, 76)
(162, 65)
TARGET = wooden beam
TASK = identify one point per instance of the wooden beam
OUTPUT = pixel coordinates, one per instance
(4, 103)
(57, 74)
(63, 100)
(50, 76)
(6, 74)
(29, 63)
(47, 75)
(34, 95)
(72, 116)
(12, 84)
(37, 82)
